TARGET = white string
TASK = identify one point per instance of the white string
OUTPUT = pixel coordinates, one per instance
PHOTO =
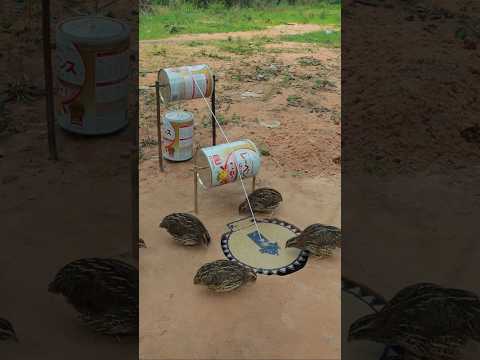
(234, 157)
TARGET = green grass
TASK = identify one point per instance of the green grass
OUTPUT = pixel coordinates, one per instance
(332, 39)
(189, 20)
(243, 46)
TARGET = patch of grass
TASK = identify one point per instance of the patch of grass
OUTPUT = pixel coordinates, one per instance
(211, 55)
(323, 84)
(264, 151)
(324, 38)
(167, 21)
(148, 142)
(243, 46)
(294, 100)
(195, 43)
(235, 119)
(308, 61)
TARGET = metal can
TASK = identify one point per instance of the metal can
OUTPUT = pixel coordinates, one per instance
(92, 72)
(177, 136)
(218, 164)
(179, 83)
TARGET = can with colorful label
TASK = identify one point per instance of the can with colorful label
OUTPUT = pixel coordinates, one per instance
(92, 74)
(186, 82)
(218, 164)
(177, 136)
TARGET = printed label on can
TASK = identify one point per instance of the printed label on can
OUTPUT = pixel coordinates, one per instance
(224, 158)
(111, 93)
(68, 62)
(186, 136)
(177, 140)
(111, 68)
(189, 82)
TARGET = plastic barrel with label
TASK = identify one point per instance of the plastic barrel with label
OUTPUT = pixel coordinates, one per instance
(92, 73)
(178, 83)
(177, 136)
(217, 163)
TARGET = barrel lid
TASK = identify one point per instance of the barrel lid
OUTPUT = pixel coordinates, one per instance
(178, 116)
(94, 29)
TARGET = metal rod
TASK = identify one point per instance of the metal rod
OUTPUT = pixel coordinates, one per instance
(254, 179)
(47, 62)
(135, 188)
(195, 182)
(214, 125)
(159, 126)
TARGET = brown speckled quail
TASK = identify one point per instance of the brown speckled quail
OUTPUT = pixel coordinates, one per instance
(6, 330)
(424, 321)
(104, 291)
(224, 275)
(186, 229)
(262, 200)
(318, 239)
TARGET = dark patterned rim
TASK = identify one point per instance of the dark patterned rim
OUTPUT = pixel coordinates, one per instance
(374, 301)
(294, 266)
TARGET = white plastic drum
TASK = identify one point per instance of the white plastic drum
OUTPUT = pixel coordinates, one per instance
(178, 83)
(177, 136)
(92, 71)
(217, 163)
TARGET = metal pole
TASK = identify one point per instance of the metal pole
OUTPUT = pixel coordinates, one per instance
(214, 125)
(135, 192)
(195, 187)
(47, 62)
(159, 126)
(195, 180)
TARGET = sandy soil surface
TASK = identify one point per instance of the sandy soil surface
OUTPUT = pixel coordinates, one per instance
(412, 209)
(55, 212)
(291, 317)
(434, 75)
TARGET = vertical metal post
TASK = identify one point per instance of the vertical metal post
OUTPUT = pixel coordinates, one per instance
(159, 126)
(47, 62)
(135, 191)
(195, 180)
(214, 124)
(195, 187)
(254, 179)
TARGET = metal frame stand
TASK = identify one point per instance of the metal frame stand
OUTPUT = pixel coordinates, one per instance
(159, 120)
(214, 123)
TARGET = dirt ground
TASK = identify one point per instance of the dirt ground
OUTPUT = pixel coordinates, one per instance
(291, 317)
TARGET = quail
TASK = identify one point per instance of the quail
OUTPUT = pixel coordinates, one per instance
(317, 239)
(141, 243)
(262, 200)
(186, 229)
(424, 321)
(224, 275)
(6, 330)
(104, 291)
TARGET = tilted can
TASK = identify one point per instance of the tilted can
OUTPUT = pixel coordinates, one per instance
(217, 163)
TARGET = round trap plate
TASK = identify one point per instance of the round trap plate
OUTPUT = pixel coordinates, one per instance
(358, 301)
(266, 254)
